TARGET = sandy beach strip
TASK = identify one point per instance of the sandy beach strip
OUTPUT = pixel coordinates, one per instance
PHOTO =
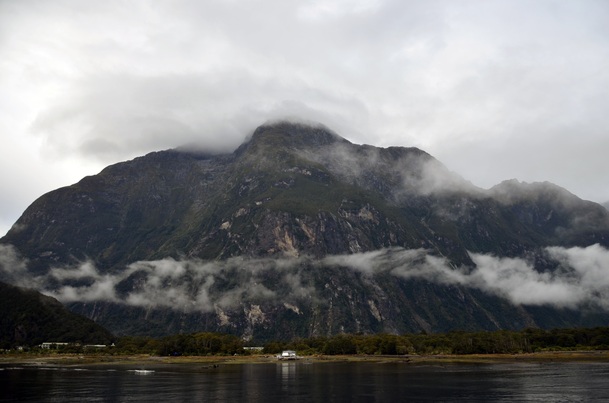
(141, 359)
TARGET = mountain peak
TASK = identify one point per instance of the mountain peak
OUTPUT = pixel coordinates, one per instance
(294, 135)
(513, 190)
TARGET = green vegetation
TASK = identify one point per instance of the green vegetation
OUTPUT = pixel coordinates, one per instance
(182, 344)
(498, 342)
(458, 342)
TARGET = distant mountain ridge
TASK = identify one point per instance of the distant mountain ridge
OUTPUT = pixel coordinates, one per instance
(268, 241)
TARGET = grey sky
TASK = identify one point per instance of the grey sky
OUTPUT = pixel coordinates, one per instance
(493, 89)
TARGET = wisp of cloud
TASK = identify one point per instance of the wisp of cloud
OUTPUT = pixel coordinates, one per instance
(581, 278)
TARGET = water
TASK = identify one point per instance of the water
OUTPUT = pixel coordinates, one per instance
(306, 382)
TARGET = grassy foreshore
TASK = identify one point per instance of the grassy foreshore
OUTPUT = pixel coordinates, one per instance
(141, 359)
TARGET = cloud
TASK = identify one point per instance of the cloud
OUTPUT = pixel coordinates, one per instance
(87, 86)
(101, 289)
(13, 267)
(590, 266)
(521, 284)
(390, 170)
(378, 261)
(188, 285)
(580, 278)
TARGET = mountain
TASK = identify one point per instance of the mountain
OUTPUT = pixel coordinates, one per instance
(299, 232)
(29, 318)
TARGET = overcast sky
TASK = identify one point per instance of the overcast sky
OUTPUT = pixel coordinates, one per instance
(494, 89)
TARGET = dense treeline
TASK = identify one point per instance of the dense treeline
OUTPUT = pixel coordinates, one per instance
(182, 344)
(457, 342)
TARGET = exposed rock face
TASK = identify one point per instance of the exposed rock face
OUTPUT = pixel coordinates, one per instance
(286, 202)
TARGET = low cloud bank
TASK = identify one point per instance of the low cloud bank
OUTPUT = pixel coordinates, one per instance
(184, 285)
(580, 278)
(406, 171)
(13, 268)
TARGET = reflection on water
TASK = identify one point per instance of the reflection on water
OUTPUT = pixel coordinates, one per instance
(288, 375)
(303, 381)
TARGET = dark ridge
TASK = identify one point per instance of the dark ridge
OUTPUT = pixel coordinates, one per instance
(292, 135)
(30, 318)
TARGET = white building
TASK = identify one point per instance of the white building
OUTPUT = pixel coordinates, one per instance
(288, 355)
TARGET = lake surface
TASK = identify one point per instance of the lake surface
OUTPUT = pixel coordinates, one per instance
(306, 382)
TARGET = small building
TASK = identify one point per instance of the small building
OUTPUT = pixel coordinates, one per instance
(256, 348)
(94, 346)
(52, 345)
(288, 355)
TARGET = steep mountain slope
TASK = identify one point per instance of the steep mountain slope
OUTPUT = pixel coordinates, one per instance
(268, 241)
(29, 318)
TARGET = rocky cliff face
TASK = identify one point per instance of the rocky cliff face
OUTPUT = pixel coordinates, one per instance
(300, 232)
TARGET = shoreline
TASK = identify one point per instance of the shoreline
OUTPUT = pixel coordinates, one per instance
(143, 359)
